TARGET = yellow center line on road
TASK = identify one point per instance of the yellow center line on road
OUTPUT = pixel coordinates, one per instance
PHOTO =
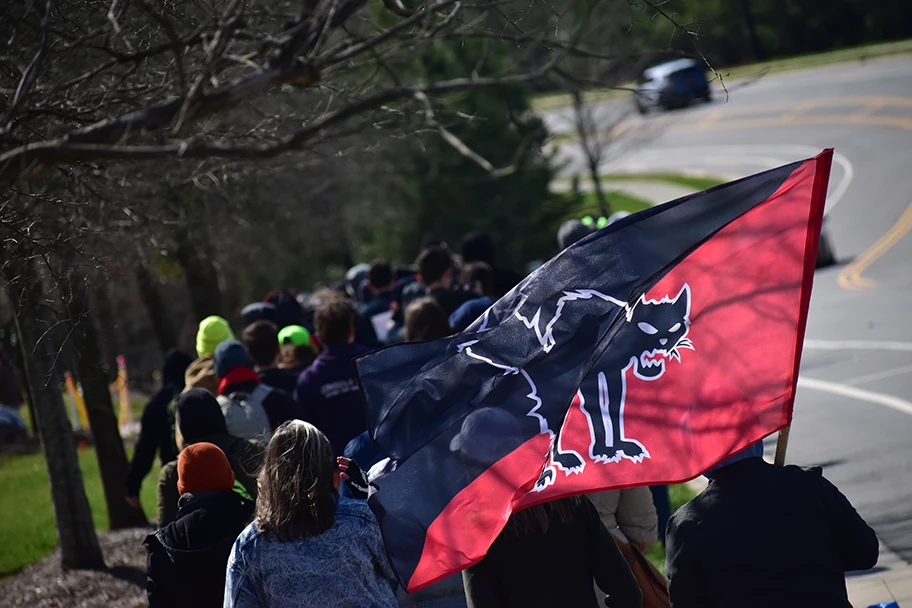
(858, 111)
(825, 102)
(851, 276)
(782, 121)
(869, 109)
(797, 111)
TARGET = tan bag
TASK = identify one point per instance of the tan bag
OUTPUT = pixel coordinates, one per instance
(652, 582)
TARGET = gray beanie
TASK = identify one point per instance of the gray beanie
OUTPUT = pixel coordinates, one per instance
(572, 231)
(230, 355)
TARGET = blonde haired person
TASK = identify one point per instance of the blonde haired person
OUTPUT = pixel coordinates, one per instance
(307, 546)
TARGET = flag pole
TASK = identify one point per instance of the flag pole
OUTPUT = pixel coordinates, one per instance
(823, 162)
(782, 445)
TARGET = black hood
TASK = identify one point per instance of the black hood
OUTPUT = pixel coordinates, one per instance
(207, 521)
(176, 363)
(199, 415)
(188, 557)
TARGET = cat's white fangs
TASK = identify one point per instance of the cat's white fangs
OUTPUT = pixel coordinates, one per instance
(653, 358)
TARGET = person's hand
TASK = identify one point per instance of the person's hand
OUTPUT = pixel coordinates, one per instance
(354, 477)
(133, 501)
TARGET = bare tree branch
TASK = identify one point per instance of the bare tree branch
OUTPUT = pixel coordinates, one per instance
(45, 155)
(28, 77)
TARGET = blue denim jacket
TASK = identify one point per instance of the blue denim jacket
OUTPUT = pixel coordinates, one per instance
(345, 566)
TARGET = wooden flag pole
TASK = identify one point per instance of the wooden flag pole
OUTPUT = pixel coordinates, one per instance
(782, 446)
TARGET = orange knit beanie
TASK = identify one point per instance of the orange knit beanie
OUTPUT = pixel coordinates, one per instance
(203, 467)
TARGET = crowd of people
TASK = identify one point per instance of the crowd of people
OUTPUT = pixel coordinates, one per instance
(261, 497)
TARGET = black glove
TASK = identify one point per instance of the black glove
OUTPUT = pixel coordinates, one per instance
(356, 480)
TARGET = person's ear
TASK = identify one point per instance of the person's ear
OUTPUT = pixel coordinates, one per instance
(337, 479)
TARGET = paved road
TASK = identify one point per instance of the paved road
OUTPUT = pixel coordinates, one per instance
(854, 408)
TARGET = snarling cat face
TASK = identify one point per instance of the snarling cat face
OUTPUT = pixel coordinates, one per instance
(659, 329)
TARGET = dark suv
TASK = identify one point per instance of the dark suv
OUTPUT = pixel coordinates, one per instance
(671, 85)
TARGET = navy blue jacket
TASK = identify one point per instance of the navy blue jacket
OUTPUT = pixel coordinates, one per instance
(466, 314)
(365, 334)
(329, 396)
(282, 379)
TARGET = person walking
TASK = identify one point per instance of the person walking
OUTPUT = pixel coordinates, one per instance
(478, 247)
(478, 278)
(187, 559)
(328, 391)
(252, 409)
(258, 311)
(377, 313)
(199, 418)
(201, 372)
(298, 350)
(426, 320)
(436, 269)
(10, 387)
(307, 547)
(550, 555)
(156, 432)
(261, 339)
(761, 535)
(629, 514)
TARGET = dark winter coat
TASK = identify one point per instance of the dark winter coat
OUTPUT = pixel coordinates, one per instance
(761, 535)
(330, 397)
(282, 379)
(245, 458)
(504, 281)
(466, 314)
(556, 568)
(10, 390)
(156, 433)
(451, 299)
(188, 558)
(365, 333)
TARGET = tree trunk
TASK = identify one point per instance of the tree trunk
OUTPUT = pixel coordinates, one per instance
(112, 459)
(604, 205)
(201, 277)
(155, 307)
(107, 330)
(585, 127)
(75, 530)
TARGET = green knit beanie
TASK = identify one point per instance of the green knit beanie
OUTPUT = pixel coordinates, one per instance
(212, 332)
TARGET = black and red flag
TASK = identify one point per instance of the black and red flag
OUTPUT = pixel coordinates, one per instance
(644, 354)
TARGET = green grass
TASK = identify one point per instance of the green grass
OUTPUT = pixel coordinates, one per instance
(695, 182)
(619, 201)
(27, 531)
(799, 62)
(556, 100)
(622, 201)
(678, 495)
